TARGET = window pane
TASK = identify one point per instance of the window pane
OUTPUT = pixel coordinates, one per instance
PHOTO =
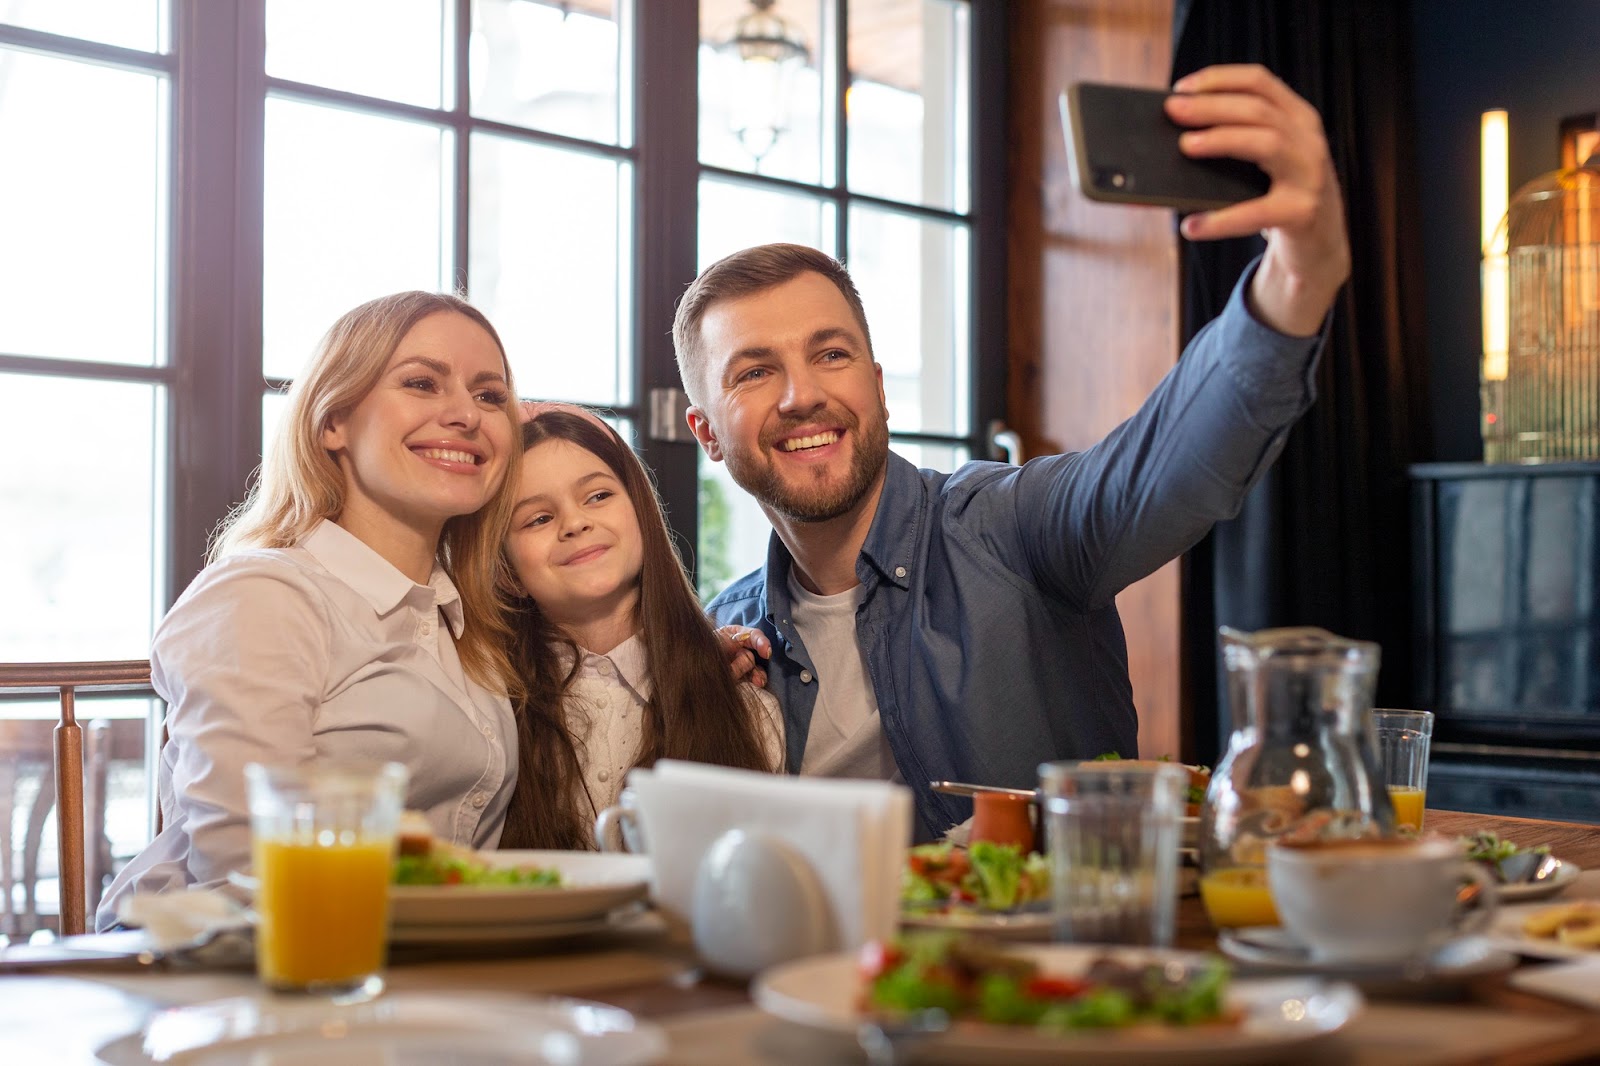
(762, 114)
(914, 279)
(140, 24)
(550, 266)
(545, 66)
(735, 216)
(909, 101)
(82, 223)
(733, 530)
(356, 207)
(83, 564)
(392, 49)
(273, 407)
(943, 457)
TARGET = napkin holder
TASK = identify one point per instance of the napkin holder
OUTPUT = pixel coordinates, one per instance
(757, 902)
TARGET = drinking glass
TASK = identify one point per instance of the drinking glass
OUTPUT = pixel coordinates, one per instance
(1401, 739)
(323, 842)
(1112, 835)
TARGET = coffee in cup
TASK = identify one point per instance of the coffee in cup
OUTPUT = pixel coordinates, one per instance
(1376, 901)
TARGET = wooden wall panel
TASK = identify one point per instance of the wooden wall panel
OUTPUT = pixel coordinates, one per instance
(1094, 292)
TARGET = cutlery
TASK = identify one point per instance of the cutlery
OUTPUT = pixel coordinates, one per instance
(1526, 868)
(962, 788)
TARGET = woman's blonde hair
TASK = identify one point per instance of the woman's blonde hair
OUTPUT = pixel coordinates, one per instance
(300, 483)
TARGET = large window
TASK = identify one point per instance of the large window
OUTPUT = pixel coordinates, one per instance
(195, 190)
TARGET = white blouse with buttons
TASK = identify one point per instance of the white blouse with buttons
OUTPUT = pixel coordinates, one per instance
(319, 651)
(605, 712)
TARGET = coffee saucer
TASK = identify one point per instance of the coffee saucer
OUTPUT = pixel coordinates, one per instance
(1270, 949)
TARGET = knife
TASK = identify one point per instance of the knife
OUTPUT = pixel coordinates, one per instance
(962, 788)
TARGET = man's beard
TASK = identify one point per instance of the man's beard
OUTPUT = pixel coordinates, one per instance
(758, 476)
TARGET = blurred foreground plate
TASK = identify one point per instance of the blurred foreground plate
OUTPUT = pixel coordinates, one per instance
(1277, 1015)
(481, 1029)
(592, 885)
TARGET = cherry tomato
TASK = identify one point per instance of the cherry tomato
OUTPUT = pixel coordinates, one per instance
(877, 958)
(1055, 987)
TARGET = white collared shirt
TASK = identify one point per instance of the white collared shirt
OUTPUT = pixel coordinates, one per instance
(605, 713)
(322, 650)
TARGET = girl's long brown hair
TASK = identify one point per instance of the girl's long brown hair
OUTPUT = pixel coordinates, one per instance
(695, 709)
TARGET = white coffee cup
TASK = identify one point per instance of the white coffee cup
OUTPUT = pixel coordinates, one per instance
(1376, 901)
(617, 828)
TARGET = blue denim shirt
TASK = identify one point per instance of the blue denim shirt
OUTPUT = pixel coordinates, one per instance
(988, 615)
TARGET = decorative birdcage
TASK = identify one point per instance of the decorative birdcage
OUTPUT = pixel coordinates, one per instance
(1542, 402)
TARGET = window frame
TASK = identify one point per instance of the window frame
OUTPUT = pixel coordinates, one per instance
(212, 371)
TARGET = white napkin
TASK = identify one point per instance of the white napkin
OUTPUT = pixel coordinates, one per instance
(1577, 981)
(854, 835)
(181, 919)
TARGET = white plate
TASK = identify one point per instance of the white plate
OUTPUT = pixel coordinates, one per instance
(630, 920)
(1271, 949)
(1565, 873)
(1024, 925)
(1505, 932)
(477, 1028)
(821, 992)
(593, 884)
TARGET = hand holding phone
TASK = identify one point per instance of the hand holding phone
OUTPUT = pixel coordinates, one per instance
(1122, 148)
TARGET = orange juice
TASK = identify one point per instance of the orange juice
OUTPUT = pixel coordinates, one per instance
(324, 911)
(1238, 896)
(1407, 804)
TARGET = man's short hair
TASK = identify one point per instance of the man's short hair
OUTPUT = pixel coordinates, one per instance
(741, 274)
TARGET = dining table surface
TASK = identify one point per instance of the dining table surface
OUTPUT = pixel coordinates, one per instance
(60, 1013)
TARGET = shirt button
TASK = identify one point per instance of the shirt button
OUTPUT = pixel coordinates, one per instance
(899, 571)
(479, 799)
(604, 668)
(488, 731)
(805, 677)
(604, 775)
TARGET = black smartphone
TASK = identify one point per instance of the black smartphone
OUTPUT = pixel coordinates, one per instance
(1122, 148)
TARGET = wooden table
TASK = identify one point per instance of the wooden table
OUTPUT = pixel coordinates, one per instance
(60, 1016)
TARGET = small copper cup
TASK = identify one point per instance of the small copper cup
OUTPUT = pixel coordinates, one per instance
(1003, 818)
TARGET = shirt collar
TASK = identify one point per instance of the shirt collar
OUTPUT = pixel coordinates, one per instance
(375, 579)
(890, 547)
(628, 658)
(897, 527)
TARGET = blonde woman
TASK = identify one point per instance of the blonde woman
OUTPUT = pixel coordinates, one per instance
(348, 610)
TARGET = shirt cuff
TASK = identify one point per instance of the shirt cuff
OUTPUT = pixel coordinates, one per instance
(1262, 360)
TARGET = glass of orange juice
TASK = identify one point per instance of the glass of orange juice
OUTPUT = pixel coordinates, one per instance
(1401, 739)
(1237, 896)
(323, 841)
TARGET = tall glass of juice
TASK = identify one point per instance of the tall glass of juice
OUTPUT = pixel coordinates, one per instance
(1401, 740)
(323, 841)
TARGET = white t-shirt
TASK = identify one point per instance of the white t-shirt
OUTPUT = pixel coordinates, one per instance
(846, 736)
(322, 650)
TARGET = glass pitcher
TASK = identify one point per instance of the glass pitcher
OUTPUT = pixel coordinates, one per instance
(1298, 764)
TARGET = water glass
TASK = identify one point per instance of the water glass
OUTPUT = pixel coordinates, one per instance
(1401, 739)
(1112, 833)
(323, 842)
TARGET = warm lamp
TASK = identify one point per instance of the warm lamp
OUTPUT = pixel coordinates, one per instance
(768, 49)
(1495, 194)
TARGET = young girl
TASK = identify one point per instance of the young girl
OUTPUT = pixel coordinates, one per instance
(349, 609)
(620, 665)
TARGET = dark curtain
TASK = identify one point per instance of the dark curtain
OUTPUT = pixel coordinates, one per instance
(1323, 540)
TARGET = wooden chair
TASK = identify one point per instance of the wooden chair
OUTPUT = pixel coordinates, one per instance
(64, 681)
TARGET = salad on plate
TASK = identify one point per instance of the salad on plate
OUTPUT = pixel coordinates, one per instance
(971, 980)
(984, 877)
